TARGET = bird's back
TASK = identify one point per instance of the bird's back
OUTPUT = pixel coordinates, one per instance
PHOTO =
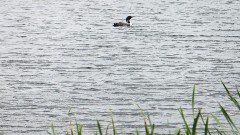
(121, 24)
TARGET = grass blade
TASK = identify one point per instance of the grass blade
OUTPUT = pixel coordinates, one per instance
(107, 129)
(217, 120)
(79, 129)
(231, 97)
(151, 125)
(226, 88)
(206, 131)
(71, 131)
(152, 129)
(71, 128)
(238, 92)
(99, 127)
(219, 132)
(193, 98)
(142, 111)
(137, 133)
(149, 119)
(177, 131)
(113, 125)
(219, 124)
(228, 118)
(53, 130)
(188, 131)
(146, 127)
(195, 123)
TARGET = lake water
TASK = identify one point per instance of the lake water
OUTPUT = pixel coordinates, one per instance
(61, 54)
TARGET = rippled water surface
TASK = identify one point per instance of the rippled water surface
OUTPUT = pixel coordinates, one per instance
(56, 54)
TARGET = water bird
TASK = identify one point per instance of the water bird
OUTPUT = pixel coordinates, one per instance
(124, 24)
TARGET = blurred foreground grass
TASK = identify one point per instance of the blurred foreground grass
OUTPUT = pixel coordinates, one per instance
(188, 128)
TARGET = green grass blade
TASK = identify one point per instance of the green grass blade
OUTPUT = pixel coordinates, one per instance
(79, 129)
(193, 98)
(53, 130)
(151, 125)
(146, 127)
(137, 133)
(188, 131)
(71, 128)
(219, 132)
(206, 131)
(238, 92)
(141, 110)
(217, 120)
(152, 129)
(99, 127)
(236, 103)
(228, 118)
(149, 119)
(225, 88)
(113, 125)
(195, 123)
(177, 131)
(107, 129)
(219, 123)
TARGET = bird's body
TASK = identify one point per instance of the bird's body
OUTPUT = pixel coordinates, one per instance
(128, 23)
(121, 24)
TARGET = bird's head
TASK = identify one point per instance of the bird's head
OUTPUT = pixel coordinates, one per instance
(128, 19)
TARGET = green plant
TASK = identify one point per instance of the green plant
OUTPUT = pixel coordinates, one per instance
(190, 129)
(193, 130)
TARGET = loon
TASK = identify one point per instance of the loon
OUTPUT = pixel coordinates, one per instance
(122, 23)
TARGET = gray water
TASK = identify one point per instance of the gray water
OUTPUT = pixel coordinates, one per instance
(61, 54)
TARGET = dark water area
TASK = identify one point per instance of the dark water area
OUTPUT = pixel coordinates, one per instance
(56, 55)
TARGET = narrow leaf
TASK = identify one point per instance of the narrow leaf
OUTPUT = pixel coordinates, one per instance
(193, 98)
(238, 92)
(142, 112)
(137, 133)
(177, 131)
(99, 127)
(53, 130)
(152, 129)
(219, 132)
(146, 127)
(219, 123)
(206, 127)
(149, 119)
(79, 129)
(113, 125)
(188, 131)
(195, 123)
(236, 103)
(107, 129)
(231, 123)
